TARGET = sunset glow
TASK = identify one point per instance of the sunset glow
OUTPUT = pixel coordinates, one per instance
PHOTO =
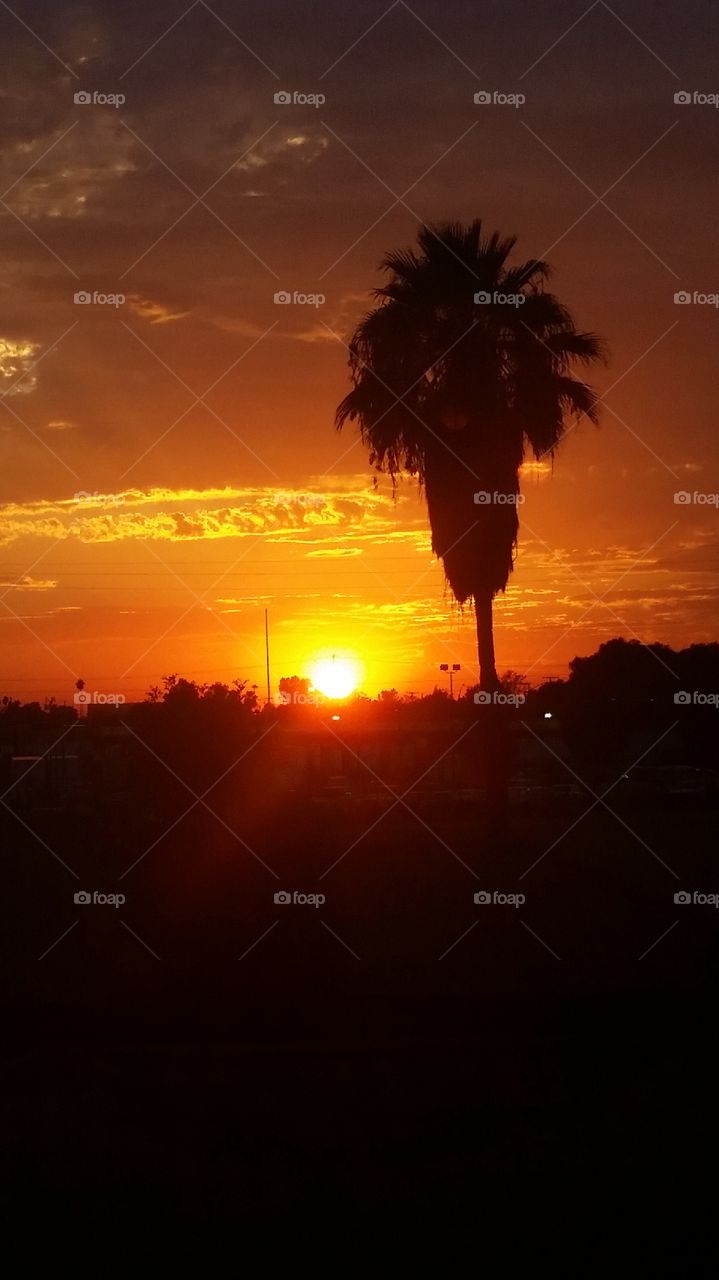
(336, 677)
(359, 613)
(170, 466)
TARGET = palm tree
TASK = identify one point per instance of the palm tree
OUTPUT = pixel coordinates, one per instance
(463, 365)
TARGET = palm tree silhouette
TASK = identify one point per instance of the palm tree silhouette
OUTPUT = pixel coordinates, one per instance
(466, 362)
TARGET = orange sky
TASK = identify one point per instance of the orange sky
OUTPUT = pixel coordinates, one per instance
(197, 414)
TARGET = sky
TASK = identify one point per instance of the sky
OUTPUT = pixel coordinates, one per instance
(169, 464)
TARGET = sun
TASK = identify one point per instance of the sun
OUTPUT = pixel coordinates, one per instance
(336, 677)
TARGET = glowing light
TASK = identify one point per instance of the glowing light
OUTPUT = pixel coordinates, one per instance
(336, 677)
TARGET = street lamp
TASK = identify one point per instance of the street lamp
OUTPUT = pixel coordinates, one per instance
(444, 666)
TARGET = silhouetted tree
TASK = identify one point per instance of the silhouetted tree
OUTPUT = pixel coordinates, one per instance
(451, 384)
(294, 687)
(191, 731)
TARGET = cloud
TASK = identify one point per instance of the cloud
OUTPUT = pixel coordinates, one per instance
(234, 324)
(541, 470)
(315, 333)
(335, 552)
(154, 312)
(65, 178)
(26, 583)
(16, 361)
(305, 517)
(284, 151)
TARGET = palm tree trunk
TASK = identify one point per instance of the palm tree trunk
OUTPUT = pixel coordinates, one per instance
(495, 732)
(485, 643)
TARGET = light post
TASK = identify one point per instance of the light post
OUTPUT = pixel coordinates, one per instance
(444, 666)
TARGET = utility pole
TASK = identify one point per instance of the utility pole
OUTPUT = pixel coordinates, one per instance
(267, 656)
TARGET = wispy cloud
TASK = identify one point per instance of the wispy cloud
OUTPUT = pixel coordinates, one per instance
(335, 552)
(26, 583)
(351, 510)
(154, 312)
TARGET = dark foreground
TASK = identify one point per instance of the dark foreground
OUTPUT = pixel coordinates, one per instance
(202, 1062)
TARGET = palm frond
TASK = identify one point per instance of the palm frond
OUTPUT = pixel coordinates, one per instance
(452, 392)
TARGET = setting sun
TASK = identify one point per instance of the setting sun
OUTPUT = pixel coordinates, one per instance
(336, 677)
